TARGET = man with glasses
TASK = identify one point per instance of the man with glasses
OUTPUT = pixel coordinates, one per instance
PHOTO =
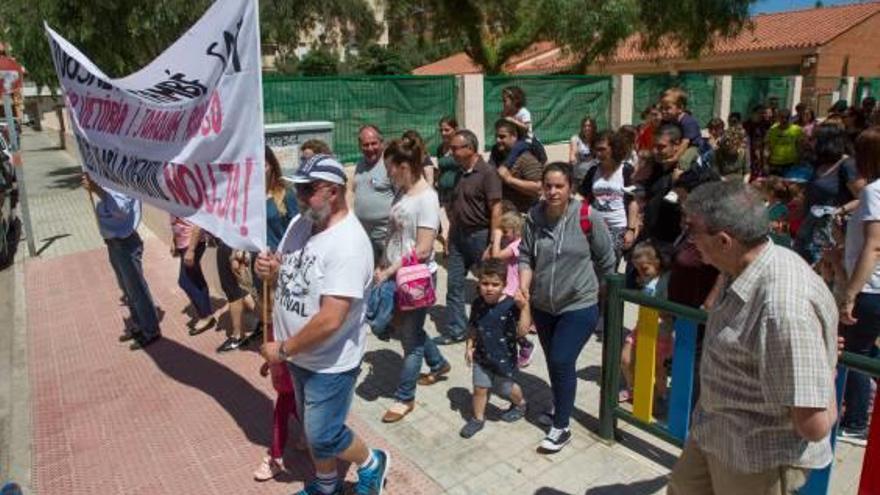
(322, 278)
(475, 210)
(521, 183)
(767, 402)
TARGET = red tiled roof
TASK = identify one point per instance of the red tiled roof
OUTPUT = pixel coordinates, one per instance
(768, 32)
(459, 63)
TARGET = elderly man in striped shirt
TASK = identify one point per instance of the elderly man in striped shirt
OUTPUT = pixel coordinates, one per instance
(767, 406)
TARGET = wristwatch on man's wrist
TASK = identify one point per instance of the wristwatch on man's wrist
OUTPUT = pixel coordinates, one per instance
(281, 354)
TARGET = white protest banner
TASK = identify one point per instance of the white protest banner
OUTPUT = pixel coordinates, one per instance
(185, 132)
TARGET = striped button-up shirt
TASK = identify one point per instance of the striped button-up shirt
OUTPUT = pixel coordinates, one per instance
(770, 345)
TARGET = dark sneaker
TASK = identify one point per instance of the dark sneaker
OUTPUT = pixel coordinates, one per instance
(129, 335)
(514, 413)
(142, 342)
(372, 481)
(853, 437)
(449, 339)
(555, 440)
(230, 344)
(313, 488)
(471, 428)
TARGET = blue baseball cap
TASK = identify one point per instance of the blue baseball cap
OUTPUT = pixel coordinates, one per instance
(320, 167)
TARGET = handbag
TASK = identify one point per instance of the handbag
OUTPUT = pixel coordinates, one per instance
(415, 286)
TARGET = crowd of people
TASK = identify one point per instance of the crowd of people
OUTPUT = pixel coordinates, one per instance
(770, 224)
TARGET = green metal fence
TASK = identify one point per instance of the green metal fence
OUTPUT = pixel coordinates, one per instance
(393, 103)
(748, 91)
(557, 103)
(699, 87)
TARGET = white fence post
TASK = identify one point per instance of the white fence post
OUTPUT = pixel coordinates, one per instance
(469, 105)
(797, 88)
(723, 96)
(626, 95)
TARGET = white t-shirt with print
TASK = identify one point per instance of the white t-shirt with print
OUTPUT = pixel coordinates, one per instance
(329, 263)
(868, 211)
(408, 214)
(608, 198)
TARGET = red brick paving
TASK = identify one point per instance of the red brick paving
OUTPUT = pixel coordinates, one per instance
(178, 419)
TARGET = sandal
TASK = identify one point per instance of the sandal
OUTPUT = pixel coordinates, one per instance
(435, 376)
(398, 411)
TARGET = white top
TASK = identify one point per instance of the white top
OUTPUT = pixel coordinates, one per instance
(408, 214)
(524, 116)
(868, 211)
(608, 198)
(329, 263)
(583, 149)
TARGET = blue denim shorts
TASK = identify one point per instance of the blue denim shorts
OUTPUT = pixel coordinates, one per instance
(323, 400)
(486, 378)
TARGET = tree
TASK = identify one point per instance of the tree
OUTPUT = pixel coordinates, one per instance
(319, 63)
(121, 36)
(493, 31)
(377, 60)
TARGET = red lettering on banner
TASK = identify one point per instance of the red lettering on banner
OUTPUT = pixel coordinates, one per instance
(195, 185)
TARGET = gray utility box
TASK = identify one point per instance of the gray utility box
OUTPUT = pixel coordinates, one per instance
(286, 138)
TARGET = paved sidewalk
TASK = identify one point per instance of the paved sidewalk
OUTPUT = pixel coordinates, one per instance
(183, 419)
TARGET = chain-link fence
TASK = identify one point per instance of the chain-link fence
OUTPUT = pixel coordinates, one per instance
(393, 103)
(557, 103)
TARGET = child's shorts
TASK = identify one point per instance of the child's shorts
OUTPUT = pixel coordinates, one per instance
(486, 378)
(664, 344)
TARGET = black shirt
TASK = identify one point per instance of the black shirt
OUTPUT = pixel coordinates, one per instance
(662, 218)
(495, 328)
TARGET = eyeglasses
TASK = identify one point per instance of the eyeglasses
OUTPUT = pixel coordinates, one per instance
(456, 147)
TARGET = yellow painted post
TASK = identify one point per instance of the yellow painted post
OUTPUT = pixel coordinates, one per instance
(646, 363)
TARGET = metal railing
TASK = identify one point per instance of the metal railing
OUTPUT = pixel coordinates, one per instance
(675, 428)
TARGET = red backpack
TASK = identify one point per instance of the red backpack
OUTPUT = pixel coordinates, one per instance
(586, 224)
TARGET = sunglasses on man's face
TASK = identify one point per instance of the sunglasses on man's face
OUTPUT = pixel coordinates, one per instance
(306, 190)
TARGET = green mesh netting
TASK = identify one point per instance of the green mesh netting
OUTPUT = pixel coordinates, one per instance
(700, 88)
(393, 103)
(557, 103)
(867, 86)
(748, 91)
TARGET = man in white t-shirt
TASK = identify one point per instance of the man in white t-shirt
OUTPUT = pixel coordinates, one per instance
(322, 279)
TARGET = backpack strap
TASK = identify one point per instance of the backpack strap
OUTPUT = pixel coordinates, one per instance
(586, 224)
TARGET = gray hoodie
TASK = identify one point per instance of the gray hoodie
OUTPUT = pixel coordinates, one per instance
(562, 259)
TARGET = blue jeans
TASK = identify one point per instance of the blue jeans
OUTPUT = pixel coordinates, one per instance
(192, 280)
(562, 337)
(859, 339)
(125, 258)
(416, 346)
(465, 251)
(323, 401)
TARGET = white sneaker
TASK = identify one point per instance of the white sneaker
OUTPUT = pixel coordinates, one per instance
(555, 440)
(268, 469)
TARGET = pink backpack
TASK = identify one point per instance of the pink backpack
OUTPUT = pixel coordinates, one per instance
(415, 286)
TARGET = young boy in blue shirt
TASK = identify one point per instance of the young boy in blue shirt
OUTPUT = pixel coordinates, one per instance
(495, 323)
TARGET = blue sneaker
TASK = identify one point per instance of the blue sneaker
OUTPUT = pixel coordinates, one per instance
(372, 481)
(312, 488)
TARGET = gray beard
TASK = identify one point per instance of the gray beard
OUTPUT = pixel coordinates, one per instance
(318, 216)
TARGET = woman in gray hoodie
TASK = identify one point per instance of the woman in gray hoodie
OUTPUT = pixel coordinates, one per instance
(562, 243)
